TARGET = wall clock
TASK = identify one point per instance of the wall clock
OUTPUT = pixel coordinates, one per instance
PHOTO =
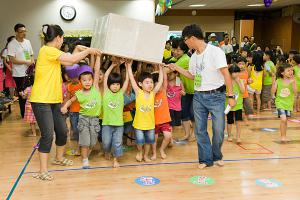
(67, 12)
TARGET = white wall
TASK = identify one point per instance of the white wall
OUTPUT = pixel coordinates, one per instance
(35, 13)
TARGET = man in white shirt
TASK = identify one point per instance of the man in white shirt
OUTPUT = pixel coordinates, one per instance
(21, 55)
(226, 47)
(208, 69)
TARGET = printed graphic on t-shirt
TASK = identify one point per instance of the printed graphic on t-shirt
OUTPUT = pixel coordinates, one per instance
(285, 92)
(171, 94)
(158, 103)
(90, 104)
(145, 108)
(113, 104)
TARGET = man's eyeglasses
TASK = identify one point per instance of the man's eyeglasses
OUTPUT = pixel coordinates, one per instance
(185, 39)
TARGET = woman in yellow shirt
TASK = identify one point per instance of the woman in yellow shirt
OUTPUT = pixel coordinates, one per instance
(46, 96)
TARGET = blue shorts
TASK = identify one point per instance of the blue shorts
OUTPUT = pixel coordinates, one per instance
(144, 136)
(287, 113)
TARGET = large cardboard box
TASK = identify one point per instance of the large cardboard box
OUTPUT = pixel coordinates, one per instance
(130, 38)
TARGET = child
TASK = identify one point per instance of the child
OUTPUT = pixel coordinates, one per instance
(28, 115)
(175, 90)
(285, 88)
(113, 104)
(72, 88)
(162, 116)
(244, 77)
(296, 61)
(256, 75)
(89, 99)
(269, 72)
(235, 114)
(144, 122)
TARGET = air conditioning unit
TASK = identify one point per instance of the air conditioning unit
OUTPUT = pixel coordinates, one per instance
(296, 18)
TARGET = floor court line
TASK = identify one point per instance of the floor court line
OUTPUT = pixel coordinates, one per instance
(170, 163)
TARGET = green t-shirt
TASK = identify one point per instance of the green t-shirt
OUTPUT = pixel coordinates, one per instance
(297, 76)
(239, 102)
(90, 103)
(113, 104)
(269, 66)
(284, 96)
(183, 62)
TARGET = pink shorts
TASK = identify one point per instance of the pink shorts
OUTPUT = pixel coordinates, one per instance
(165, 127)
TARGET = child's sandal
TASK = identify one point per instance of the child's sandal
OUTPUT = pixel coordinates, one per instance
(44, 176)
(64, 162)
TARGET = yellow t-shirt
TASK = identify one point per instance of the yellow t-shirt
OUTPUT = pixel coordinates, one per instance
(257, 78)
(47, 87)
(144, 114)
(167, 54)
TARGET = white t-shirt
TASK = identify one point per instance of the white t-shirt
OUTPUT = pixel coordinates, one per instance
(21, 51)
(227, 48)
(208, 65)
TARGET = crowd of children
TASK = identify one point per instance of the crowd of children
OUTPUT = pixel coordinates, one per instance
(107, 98)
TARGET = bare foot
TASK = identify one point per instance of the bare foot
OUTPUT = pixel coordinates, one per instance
(220, 163)
(153, 157)
(139, 156)
(238, 141)
(183, 138)
(284, 140)
(229, 139)
(202, 166)
(116, 164)
(162, 154)
(107, 156)
(192, 139)
(146, 159)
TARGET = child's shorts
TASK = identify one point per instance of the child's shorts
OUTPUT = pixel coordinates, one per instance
(287, 113)
(89, 129)
(233, 116)
(175, 117)
(253, 91)
(266, 93)
(165, 127)
(247, 106)
(144, 136)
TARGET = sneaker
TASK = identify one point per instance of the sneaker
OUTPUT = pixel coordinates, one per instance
(85, 163)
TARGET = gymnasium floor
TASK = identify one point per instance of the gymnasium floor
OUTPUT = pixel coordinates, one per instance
(258, 157)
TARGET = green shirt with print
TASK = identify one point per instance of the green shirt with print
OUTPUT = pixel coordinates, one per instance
(297, 76)
(268, 67)
(113, 104)
(284, 96)
(90, 102)
(183, 62)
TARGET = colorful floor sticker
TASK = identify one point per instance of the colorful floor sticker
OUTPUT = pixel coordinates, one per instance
(269, 129)
(70, 152)
(147, 181)
(268, 183)
(202, 180)
(180, 142)
(254, 148)
(127, 148)
(294, 120)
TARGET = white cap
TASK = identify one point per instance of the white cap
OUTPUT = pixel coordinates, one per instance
(212, 35)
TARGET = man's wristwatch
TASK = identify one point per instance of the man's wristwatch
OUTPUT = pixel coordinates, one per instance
(231, 97)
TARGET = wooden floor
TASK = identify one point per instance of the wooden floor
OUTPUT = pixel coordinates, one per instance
(258, 157)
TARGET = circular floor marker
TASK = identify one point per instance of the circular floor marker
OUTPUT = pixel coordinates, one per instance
(147, 181)
(202, 180)
(269, 129)
(70, 152)
(268, 183)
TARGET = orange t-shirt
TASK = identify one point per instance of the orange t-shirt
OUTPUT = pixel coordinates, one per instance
(244, 77)
(75, 106)
(161, 111)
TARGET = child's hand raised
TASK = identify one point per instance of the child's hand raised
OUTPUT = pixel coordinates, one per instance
(128, 62)
(94, 51)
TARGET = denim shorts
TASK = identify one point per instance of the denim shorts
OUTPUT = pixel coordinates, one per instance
(144, 136)
(287, 113)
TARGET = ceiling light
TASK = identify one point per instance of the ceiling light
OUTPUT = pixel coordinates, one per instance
(197, 5)
(255, 5)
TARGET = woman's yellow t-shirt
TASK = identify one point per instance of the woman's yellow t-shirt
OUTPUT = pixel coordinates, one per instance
(47, 87)
(144, 114)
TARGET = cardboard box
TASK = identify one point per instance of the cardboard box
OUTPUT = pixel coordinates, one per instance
(130, 38)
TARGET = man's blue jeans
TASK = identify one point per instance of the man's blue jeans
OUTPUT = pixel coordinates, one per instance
(205, 103)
